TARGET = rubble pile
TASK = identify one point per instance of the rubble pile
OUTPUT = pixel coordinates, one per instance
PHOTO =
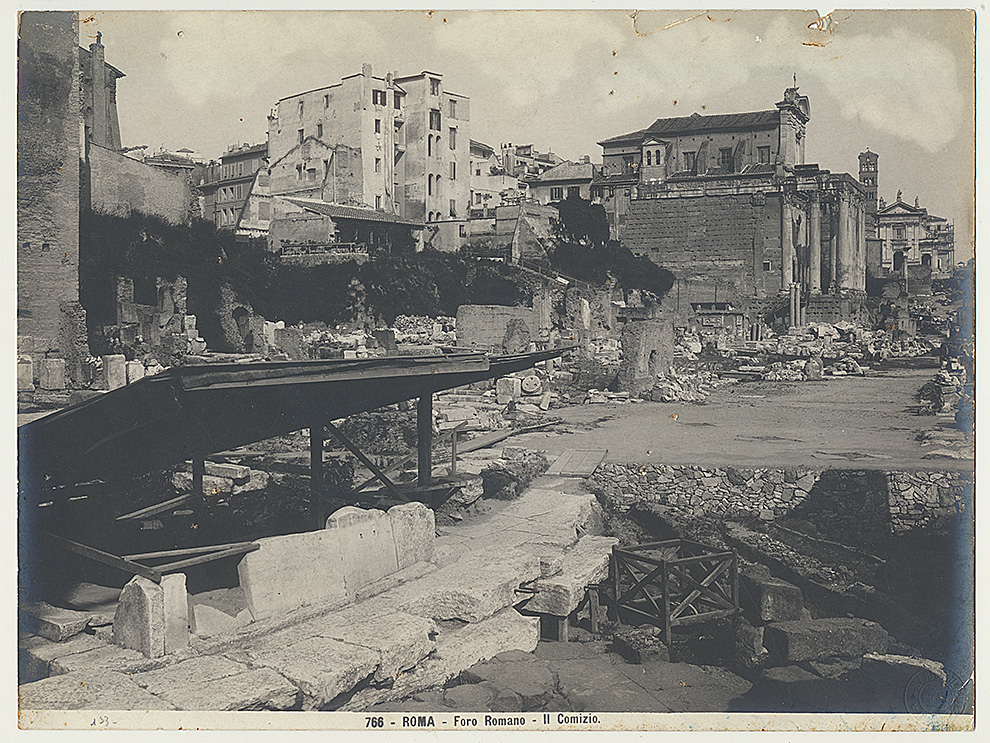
(507, 478)
(424, 330)
(941, 395)
(686, 385)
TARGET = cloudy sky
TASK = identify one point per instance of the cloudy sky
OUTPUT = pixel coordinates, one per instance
(898, 82)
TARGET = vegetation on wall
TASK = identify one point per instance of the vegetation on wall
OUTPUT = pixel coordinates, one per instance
(583, 250)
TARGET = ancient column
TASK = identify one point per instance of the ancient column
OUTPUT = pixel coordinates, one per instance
(845, 246)
(833, 229)
(786, 243)
(815, 244)
(861, 244)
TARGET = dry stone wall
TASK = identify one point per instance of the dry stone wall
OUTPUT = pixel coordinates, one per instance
(860, 504)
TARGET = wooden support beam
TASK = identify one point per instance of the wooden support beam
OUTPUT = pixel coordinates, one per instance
(316, 435)
(158, 508)
(172, 567)
(594, 609)
(198, 473)
(424, 438)
(186, 551)
(121, 563)
(389, 485)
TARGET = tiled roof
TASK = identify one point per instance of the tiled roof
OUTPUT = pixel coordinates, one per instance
(568, 172)
(338, 211)
(698, 123)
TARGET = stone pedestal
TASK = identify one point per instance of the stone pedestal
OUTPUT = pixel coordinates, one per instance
(134, 370)
(139, 623)
(51, 374)
(114, 371)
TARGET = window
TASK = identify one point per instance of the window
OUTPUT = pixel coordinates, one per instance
(429, 185)
(326, 100)
(725, 158)
(378, 97)
(477, 171)
(378, 165)
(435, 119)
(556, 193)
(239, 191)
(453, 109)
(434, 87)
(453, 138)
(453, 171)
(319, 131)
(429, 145)
(378, 126)
(462, 230)
(689, 161)
(240, 168)
(477, 198)
(574, 191)
(302, 135)
(300, 109)
(378, 202)
(899, 232)
(396, 101)
(453, 207)
(299, 170)
(659, 157)
(649, 158)
(767, 265)
(764, 153)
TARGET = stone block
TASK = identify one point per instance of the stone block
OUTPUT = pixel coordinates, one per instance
(25, 374)
(176, 607)
(51, 374)
(102, 658)
(471, 589)
(208, 620)
(134, 371)
(532, 681)
(507, 389)
(294, 570)
(796, 641)
(319, 667)
(257, 480)
(139, 623)
(771, 599)
(582, 565)
(212, 485)
(749, 650)
(51, 622)
(413, 527)
(367, 547)
(218, 683)
(469, 697)
(189, 322)
(236, 472)
(97, 690)
(36, 654)
(457, 651)
(640, 644)
(114, 373)
(400, 640)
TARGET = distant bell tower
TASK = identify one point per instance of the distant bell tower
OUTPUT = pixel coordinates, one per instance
(868, 177)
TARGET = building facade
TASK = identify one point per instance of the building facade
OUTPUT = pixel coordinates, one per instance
(910, 236)
(490, 185)
(98, 96)
(226, 184)
(566, 180)
(728, 204)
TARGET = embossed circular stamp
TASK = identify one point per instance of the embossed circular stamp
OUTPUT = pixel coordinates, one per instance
(925, 694)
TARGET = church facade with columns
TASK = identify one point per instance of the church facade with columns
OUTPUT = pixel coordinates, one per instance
(728, 204)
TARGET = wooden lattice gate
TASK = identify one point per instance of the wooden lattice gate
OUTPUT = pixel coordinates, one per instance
(673, 583)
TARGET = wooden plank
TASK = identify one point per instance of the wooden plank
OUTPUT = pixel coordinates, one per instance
(171, 567)
(695, 618)
(577, 462)
(317, 433)
(389, 485)
(185, 551)
(560, 462)
(424, 439)
(158, 508)
(127, 566)
(489, 439)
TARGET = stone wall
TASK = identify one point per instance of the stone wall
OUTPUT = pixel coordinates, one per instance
(484, 326)
(120, 185)
(647, 351)
(852, 506)
(50, 321)
(711, 242)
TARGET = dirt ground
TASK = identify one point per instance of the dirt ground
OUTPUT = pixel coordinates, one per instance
(840, 422)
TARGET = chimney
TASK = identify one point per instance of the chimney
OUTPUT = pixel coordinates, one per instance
(586, 159)
(366, 69)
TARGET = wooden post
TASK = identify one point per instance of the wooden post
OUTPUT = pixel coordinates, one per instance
(735, 580)
(594, 609)
(666, 603)
(561, 623)
(453, 452)
(424, 438)
(614, 604)
(198, 472)
(316, 435)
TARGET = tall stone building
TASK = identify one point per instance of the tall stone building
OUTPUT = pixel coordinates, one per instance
(728, 204)
(99, 95)
(394, 144)
(51, 323)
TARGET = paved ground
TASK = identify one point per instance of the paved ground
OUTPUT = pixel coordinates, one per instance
(842, 422)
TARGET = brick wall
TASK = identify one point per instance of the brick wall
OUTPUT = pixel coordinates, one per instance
(49, 318)
(711, 242)
(120, 185)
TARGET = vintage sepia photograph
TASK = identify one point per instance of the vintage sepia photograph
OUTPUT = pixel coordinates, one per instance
(496, 370)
